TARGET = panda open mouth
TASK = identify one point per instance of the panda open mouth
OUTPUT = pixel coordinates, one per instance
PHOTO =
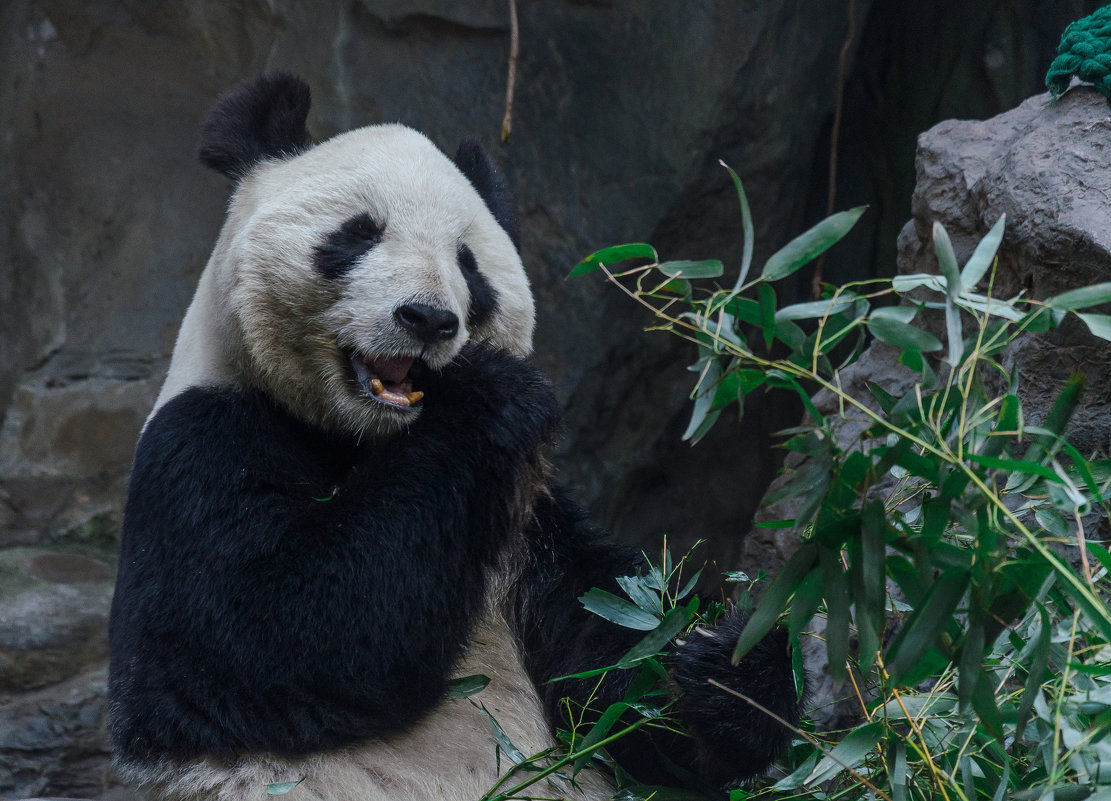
(387, 380)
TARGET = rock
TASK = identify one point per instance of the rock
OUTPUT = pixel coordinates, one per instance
(53, 616)
(53, 742)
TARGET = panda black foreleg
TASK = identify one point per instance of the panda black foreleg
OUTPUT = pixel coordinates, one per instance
(726, 739)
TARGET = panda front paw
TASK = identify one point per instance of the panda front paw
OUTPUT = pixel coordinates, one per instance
(733, 739)
(495, 395)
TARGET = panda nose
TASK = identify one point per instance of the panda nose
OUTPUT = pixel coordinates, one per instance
(427, 323)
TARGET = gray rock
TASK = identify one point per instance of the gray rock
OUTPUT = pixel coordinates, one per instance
(53, 616)
(53, 742)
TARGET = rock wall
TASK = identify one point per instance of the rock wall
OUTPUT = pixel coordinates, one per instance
(622, 111)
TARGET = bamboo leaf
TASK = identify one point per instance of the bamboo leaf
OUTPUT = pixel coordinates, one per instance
(981, 260)
(766, 295)
(707, 268)
(837, 604)
(775, 599)
(806, 247)
(815, 308)
(905, 283)
(901, 335)
(922, 631)
(656, 640)
(1034, 674)
(281, 788)
(613, 255)
(703, 414)
(1081, 298)
(502, 739)
(465, 686)
(618, 610)
(747, 227)
(1098, 324)
(847, 754)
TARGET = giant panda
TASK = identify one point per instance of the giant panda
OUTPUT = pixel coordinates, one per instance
(340, 502)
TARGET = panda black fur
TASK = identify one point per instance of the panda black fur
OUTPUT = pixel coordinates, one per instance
(311, 550)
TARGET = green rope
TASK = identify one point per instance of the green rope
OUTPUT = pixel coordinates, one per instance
(1085, 51)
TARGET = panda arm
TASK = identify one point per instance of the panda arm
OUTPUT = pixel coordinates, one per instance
(281, 590)
(728, 739)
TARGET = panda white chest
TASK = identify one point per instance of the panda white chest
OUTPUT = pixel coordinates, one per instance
(451, 755)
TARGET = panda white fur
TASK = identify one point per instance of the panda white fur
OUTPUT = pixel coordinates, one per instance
(339, 502)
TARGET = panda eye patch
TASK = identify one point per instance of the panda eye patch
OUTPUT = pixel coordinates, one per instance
(342, 248)
(484, 298)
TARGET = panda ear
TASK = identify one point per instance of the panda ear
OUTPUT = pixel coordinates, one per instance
(473, 162)
(261, 119)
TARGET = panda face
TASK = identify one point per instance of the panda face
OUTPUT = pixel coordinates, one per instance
(353, 267)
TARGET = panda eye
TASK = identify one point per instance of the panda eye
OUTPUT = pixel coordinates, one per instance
(484, 298)
(466, 259)
(341, 249)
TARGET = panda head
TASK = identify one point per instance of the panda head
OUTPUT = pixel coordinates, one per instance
(346, 270)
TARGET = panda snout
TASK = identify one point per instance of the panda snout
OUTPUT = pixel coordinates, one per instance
(427, 323)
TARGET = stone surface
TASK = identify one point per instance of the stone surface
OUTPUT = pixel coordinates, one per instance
(53, 743)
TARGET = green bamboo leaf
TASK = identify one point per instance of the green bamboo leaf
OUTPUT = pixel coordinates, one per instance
(1035, 674)
(905, 283)
(613, 255)
(837, 605)
(901, 335)
(1081, 298)
(922, 631)
(1009, 409)
(766, 294)
(805, 604)
(703, 414)
(656, 640)
(968, 671)
(1098, 324)
(873, 585)
(847, 754)
(747, 227)
(806, 247)
(597, 733)
(1015, 466)
(981, 260)
(902, 314)
(502, 739)
(707, 268)
(947, 260)
(618, 610)
(1058, 417)
(281, 788)
(898, 773)
(728, 391)
(636, 588)
(816, 308)
(465, 686)
(775, 599)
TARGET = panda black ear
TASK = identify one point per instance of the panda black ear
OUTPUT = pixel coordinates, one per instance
(473, 162)
(261, 119)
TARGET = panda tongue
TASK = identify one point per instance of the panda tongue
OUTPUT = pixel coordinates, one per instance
(392, 371)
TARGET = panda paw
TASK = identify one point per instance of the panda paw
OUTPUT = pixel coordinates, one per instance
(732, 738)
(495, 395)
